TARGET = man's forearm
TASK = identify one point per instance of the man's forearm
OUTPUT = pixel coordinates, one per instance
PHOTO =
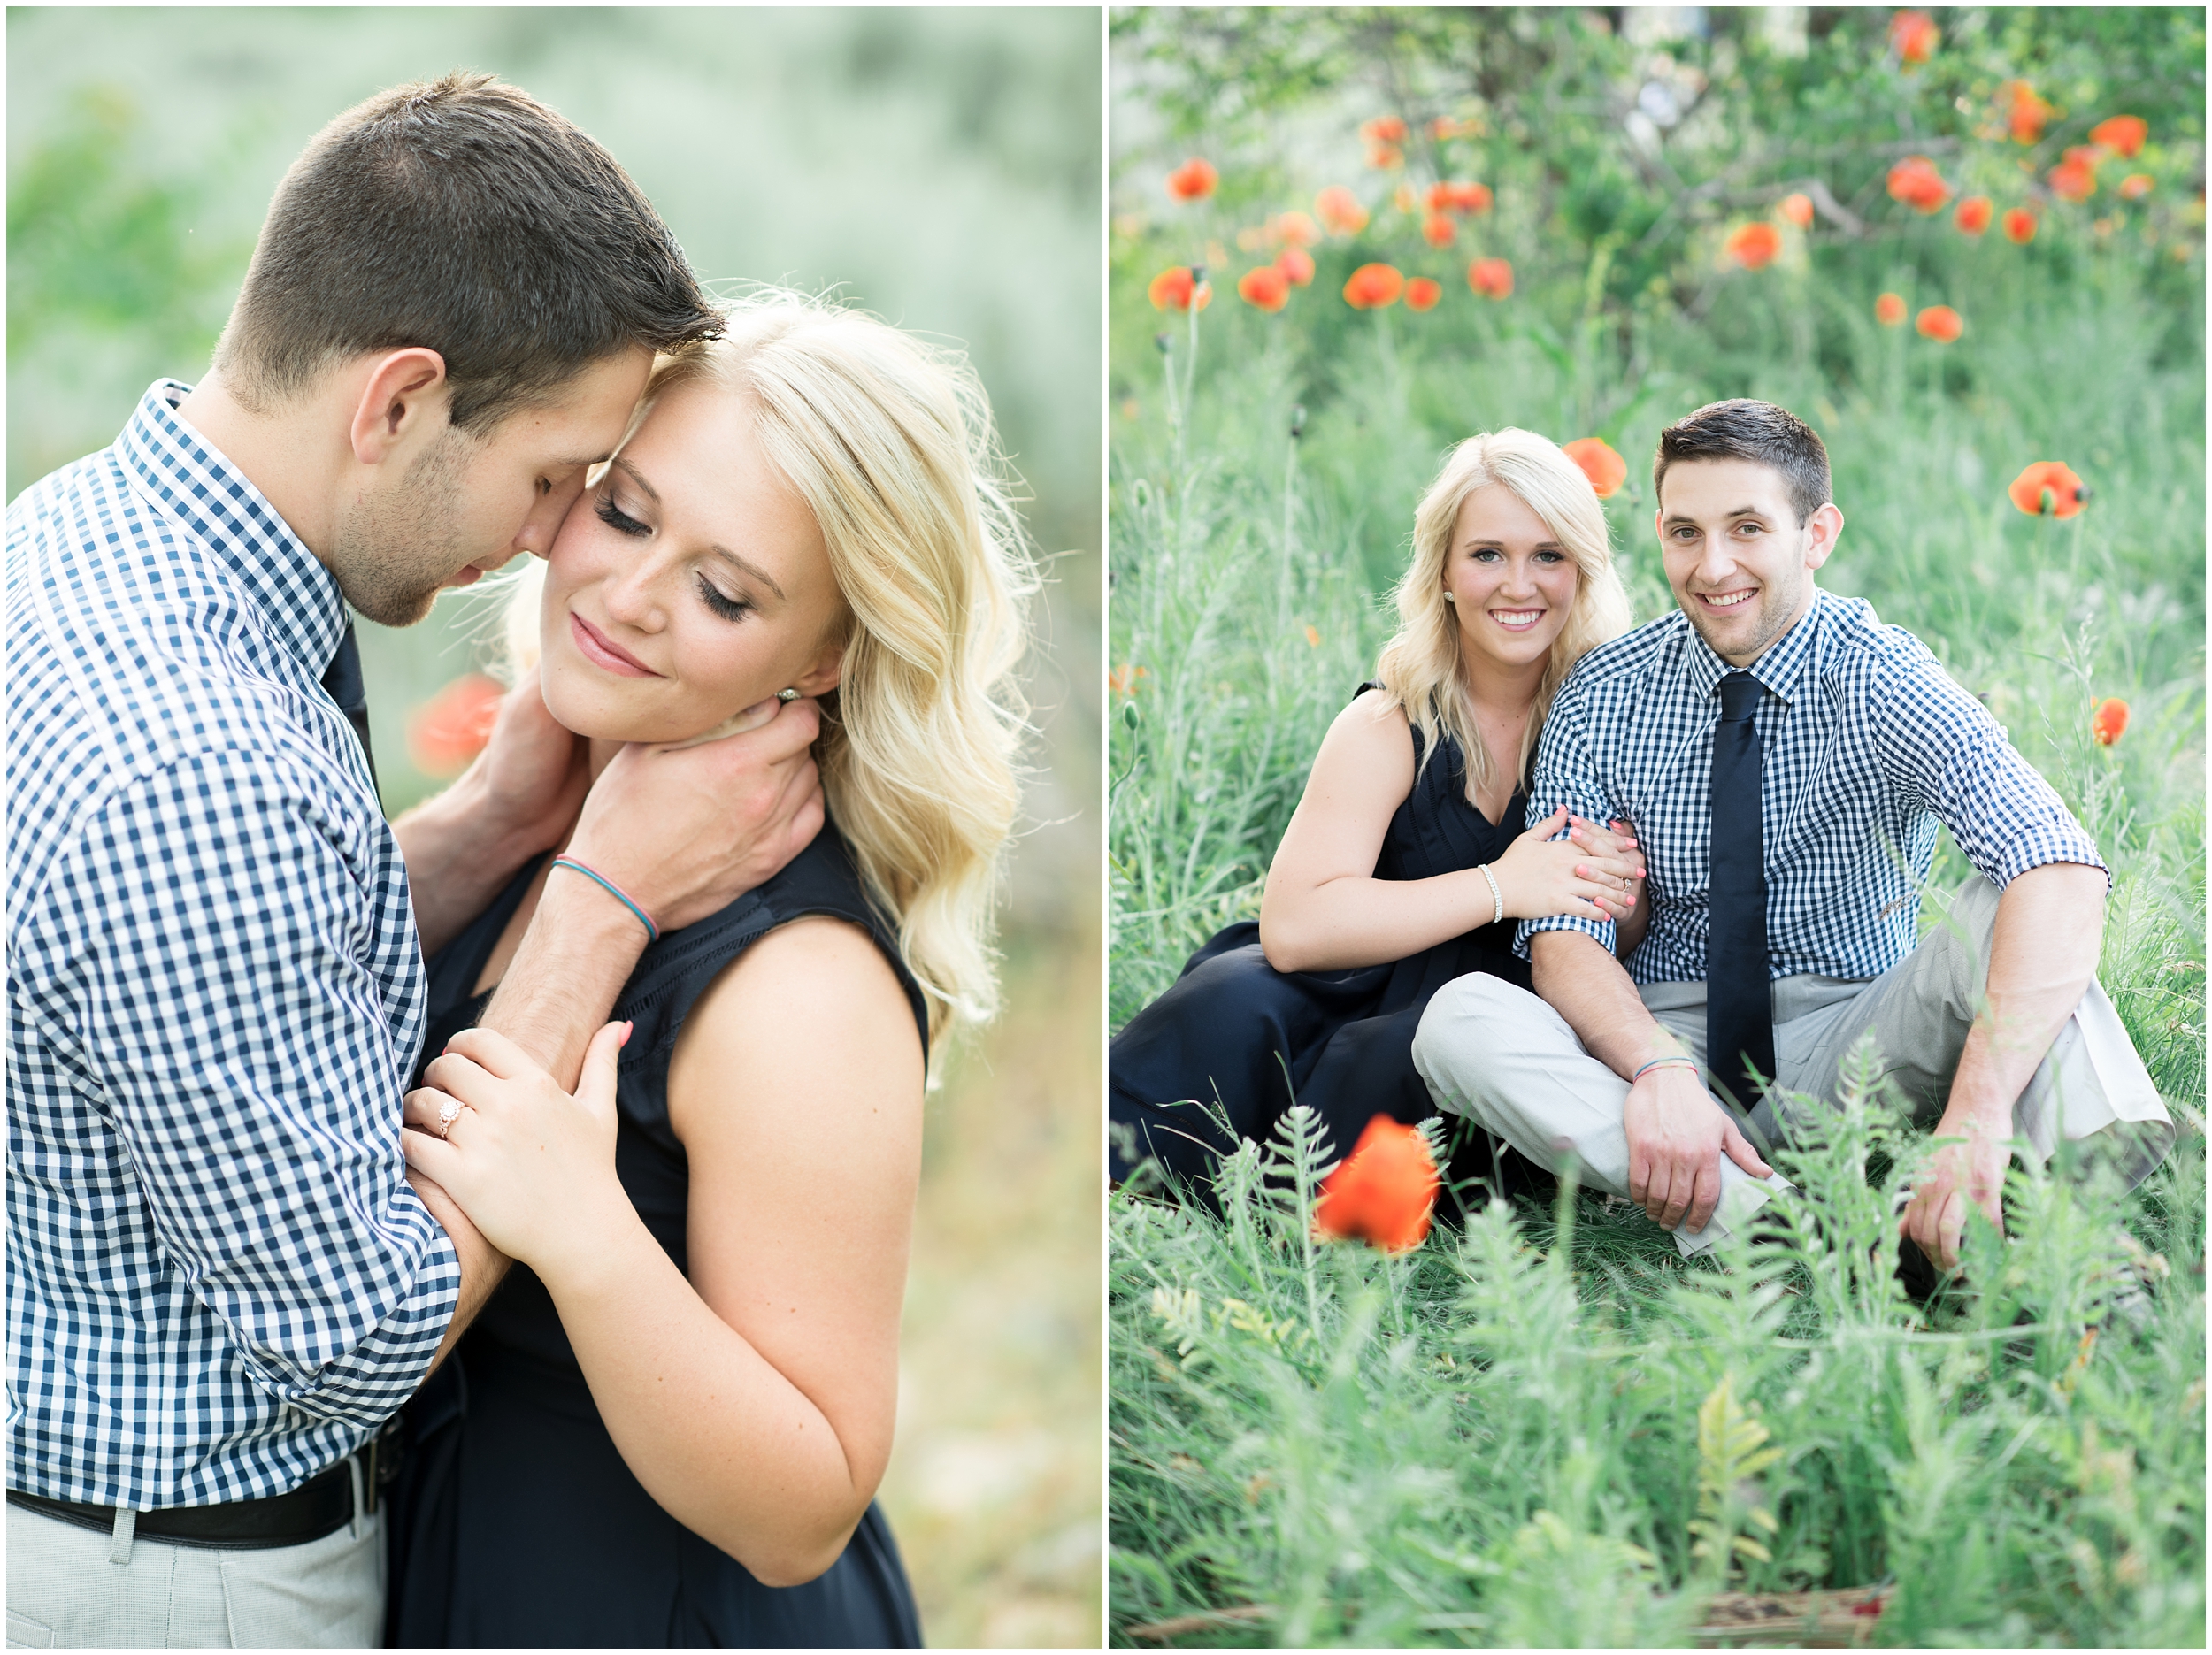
(457, 858)
(1577, 976)
(580, 948)
(2042, 958)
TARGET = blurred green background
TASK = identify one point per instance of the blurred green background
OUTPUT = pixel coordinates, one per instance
(941, 167)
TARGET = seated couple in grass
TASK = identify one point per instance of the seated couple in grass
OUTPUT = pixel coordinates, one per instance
(1771, 762)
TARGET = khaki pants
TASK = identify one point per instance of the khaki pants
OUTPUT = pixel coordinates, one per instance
(1507, 1060)
(67, 1590)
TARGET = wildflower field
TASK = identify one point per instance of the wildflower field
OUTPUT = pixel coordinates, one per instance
(1967, 247)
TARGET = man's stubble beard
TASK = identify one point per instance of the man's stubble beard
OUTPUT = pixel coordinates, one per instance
(393, 554)
(1777, 623)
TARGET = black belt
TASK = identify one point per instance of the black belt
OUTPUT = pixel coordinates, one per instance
(321, 1506)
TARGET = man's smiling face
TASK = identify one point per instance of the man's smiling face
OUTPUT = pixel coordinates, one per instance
(1740, 564)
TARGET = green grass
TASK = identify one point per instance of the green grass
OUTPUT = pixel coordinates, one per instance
(1495, 1439)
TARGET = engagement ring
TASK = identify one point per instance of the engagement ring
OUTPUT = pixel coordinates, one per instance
(449, 1111)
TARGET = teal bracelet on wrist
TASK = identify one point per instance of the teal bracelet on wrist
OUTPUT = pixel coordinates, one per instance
(652, 932)
(1676, 1061)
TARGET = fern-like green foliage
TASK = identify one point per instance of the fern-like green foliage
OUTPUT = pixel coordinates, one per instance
(1731, 1455)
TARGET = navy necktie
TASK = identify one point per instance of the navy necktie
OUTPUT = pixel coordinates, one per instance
(1739, 998)
(346, 686)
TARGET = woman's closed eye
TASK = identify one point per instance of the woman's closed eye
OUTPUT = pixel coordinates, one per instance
(620, 521)
(728, 607)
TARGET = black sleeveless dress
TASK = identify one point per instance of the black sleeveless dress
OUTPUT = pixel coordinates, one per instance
(514, 1520)
(1231, 1025)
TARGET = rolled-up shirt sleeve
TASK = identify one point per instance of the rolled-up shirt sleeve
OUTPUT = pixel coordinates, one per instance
(1565, 775)
(1942, 747)
(208, 923)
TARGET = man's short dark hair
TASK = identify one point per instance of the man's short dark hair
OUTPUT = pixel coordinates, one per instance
(466, 216)
(1742, 429)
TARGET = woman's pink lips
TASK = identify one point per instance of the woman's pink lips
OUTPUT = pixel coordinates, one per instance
(601, 652)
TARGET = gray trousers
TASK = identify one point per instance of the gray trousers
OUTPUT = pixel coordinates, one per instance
(72, 1588)
(1508, 1061)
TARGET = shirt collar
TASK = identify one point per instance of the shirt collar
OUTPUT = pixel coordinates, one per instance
(188, 478)
(1779, 670)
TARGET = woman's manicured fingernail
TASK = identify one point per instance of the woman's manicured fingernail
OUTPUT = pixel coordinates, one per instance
(628, 1029)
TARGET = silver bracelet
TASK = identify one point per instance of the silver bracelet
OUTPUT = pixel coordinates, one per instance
(1483, 867)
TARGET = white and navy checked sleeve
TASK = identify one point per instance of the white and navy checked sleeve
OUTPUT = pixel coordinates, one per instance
(209, 921)
(1943, 749)
(1566, 774)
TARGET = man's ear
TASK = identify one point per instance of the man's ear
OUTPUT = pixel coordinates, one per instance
(1822, 532)
(403, 406)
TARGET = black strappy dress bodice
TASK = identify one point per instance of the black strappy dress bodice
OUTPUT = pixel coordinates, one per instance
(514, 1520)
(1235, 1032)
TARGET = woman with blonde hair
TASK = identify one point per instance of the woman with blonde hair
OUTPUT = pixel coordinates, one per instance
(668, 1425)
(1407, 859)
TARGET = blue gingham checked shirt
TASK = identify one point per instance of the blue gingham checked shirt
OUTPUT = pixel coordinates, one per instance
(219, 1281)
(1867, 744)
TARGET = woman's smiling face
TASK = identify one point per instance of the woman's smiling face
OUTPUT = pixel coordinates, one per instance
(1510, 581)
(690, 582)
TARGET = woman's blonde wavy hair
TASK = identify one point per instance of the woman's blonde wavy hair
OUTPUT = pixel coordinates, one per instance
(1420, 668)
(890, 441)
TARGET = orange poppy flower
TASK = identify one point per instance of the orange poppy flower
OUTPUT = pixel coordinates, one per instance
(452, 727)
(1753, 245)
(1973, 214)
(1194, 180)
(1123, 679)
(1913, 35)
(1384, 129)
(2019, 225)
(1384, 157)
(1798, 208)
(2123, 134)
(1294, 229)
(1422, 294)
(1915, 181)
(1177, 289)
(2073, 180)
(2048, 489)
(1340, 211)
(1438, 230)
(2135, 185)
(1372, 286)
(2109, 721)
(1437, 198)
(1264, 287)
(1297, 266)
(1605, 468)
(1384, 1192)
(1493, 278)
(1459, 196)
(1889, 309)
(2025, 113)
(1941, 323)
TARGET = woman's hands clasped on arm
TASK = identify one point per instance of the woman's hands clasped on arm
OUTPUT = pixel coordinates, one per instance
(1595, 873)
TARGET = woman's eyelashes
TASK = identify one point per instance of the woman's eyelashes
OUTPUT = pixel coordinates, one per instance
(728, 607)
(719, 601)
(620, 521)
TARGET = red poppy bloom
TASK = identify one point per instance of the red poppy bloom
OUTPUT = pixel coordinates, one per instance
(1340, 211)
(2135, 185)
(2073, 180)
(1176, 289)
(2048, 489)
(2108, 721)
(1605, 468)
(1384, 157)
(1194, 180)
(1371, 287)
(1798, 208)
(1438, 230)
(1973, 214)
(1459, 196)
(1913, 35)
(450, 729)
(1915, 181)
(2123, 134)
(1297, 266)
(2025, 112)
(1493, 278)
(1422, 294)
(1753, 245)
(1384, 1192)
(1889, 310)
(1437, 198)
(2019, 225)
(1295, 229)
(1941, 323)
(1384, 129)
(1264, 287)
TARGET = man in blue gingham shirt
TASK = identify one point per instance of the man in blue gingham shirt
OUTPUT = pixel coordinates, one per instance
(1865, 746)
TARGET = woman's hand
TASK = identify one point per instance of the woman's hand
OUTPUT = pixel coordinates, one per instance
(531, 1166)
(1594, 874)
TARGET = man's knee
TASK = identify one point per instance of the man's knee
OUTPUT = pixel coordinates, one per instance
(1470, 1025)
